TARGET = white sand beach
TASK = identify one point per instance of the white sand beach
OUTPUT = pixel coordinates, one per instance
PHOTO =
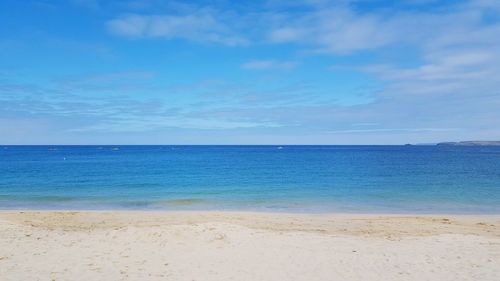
(124, 245)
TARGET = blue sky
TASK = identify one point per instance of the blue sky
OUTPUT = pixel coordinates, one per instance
(249, 72)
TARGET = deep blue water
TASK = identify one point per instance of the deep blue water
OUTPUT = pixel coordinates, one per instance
(401, 179)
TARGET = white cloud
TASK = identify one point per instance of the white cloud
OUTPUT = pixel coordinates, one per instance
(337, 30)
(200, 26)
(269, 64)
(341, 29)
(153, 123)
(287, 34)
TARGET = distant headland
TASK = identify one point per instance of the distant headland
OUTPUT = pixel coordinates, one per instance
(470, 143)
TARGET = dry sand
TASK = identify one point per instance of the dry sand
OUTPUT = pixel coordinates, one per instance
(201, 246)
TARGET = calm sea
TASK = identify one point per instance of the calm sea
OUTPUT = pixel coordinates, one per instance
(392, 179)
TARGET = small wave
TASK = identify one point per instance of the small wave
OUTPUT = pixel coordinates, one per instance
(181, 202)
(47, 198)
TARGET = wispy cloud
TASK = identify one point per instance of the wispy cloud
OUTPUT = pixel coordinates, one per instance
(337, 29)
(201, 26)
(269, 64)
(392, 130)
(340, 29)
(115, 81)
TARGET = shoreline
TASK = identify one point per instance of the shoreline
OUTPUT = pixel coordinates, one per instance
(334, 223)
(246, 213)
(249, 211)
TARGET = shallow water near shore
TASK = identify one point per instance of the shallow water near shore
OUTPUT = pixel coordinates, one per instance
(357, 179)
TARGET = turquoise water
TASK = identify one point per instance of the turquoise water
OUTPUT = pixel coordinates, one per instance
(398, 179)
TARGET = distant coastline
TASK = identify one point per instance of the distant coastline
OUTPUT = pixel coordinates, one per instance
(470, 143)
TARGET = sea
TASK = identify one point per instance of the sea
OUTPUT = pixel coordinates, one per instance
(271, 178)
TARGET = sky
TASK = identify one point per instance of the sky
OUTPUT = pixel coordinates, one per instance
(249, 72)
